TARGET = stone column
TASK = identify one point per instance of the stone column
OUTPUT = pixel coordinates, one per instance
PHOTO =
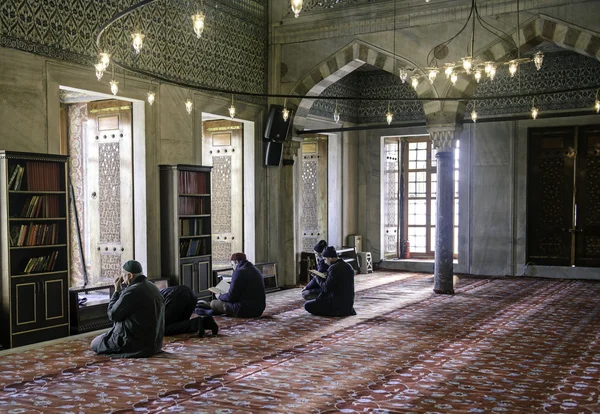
(442, 138)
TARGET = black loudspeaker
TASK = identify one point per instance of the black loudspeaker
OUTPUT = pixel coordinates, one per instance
(274, 153)
(277, 129)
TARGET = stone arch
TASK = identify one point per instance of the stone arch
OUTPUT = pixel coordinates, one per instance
(533, 32)
(341, 64)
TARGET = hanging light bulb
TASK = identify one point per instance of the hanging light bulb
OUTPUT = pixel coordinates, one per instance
(296, 7)
(114, 87)
(403, 74)
(432, 74)
(414, 81)
(232, 109)
(99, 70)
(512, 68)
(488, 67)
(198, 22)
(474, 114)
(492, 72)
(138, 41)
(449, 71)
(389, 116)
(467, 64)
(336, 114)
(189, 105)
(477, 75)
(285, 113)
(453, 79)
(104, 59)
(597, 103)
(151, 97)
(538, 59)
(534, 111)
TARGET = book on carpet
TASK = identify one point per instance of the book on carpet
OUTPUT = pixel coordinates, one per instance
(317, 273)
(222, 287)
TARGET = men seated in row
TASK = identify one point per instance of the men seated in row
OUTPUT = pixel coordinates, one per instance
(246, 297)
(137, 311)
(335, 296)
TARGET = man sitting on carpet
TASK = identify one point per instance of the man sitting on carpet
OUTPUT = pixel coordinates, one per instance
(138, 311)
(337, 291)
(246, 297)
(180, 303)
(313, 288)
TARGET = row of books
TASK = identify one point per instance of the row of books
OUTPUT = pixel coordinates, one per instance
(193, 182)
(45, 206)
(194, 227)
(194, 247)
(33, 234)
(42, 263)
(41, 176)
(191, 206)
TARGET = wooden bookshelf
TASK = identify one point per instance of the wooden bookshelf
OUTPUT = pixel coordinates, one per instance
(34, 229)
(186, 226)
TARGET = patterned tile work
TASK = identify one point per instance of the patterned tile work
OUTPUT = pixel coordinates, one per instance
(561, 70)
(232, 53)
(368, 84)
(514, 345)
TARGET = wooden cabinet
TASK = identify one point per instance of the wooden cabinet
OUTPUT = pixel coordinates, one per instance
(34, 228)
(186, 227)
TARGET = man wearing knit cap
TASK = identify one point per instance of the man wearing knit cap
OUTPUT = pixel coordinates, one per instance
(337, 291)
(246, 297)
(137, 311)
(313, 288)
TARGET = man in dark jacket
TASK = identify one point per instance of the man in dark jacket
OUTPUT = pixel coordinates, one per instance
(337, 291)
(246, 297)
(180, 303)
(138, 314)
(313, 288)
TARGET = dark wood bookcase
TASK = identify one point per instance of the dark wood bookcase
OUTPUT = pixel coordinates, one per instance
(186, 227)
(34, 230)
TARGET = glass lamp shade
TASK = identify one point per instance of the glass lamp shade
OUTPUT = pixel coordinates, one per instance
(467, 63)
(492, 72)
(296, 7)
(403, 75)
(336, 116)
(474, 116)
(198, 21)
(285, 113)
(114, 87)
(454, 78)
(414, 81)
(597, 106)
(138, 41)
(104, 59)
(99, 70)
(232, 111)
(538, 59)
(477, 75)
(534, 112)
(389, 116)
(512, 68)
(189, 106)
(151, 97)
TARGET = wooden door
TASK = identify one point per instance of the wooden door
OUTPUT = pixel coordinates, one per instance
(550, 200)
(587, 217)
(313, 192)
(222, 148)
(108, 189)
(25, 303)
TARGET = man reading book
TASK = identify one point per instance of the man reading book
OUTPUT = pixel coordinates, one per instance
(180, 303)
(337, 290)
(313, 288)
(246, 297)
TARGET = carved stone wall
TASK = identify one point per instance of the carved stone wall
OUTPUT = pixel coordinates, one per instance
(232, 53)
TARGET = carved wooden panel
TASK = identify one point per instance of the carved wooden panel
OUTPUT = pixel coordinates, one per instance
(221, 196)
(313, 192)
(110, 193)
(391, 199)
(110, 267)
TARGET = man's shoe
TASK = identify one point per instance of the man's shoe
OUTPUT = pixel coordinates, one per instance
(199, 326)
(209, 323)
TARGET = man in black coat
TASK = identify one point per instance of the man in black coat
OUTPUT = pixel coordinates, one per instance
(246, 297)
(180, 303)
(337, 291)
(313, 288)
(137, 310)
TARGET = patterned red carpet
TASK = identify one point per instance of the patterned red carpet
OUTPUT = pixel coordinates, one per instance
(500, 345)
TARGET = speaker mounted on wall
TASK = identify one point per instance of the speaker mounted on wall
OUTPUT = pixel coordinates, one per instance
(273, 153)
(277, 129)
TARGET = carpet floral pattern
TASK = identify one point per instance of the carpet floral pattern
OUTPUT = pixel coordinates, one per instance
(500, 345)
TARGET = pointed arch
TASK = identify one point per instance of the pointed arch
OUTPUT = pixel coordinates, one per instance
(341, 64)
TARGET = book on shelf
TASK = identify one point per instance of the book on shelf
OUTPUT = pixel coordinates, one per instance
(41, 263)
(317, 273)
(12, 173)
(221, 288)
(33, 234)
(19, 178)
(192, 182)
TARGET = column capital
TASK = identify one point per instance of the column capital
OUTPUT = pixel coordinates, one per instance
(443, 136)
(290, 151)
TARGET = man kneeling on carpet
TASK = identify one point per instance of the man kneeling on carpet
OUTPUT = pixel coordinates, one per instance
(313, 288)
(337, 290)
(137, 311)
(246, 297)
(180, 303)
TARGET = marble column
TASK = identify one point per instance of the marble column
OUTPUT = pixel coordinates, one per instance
(442, 138)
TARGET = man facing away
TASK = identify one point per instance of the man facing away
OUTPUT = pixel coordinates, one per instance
(246, 297)
(180, 303)
(337, 291)
(137, 311)
(313, 288)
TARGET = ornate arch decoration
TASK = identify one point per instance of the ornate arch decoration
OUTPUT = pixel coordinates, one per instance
(535, 31)
(341, 64)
